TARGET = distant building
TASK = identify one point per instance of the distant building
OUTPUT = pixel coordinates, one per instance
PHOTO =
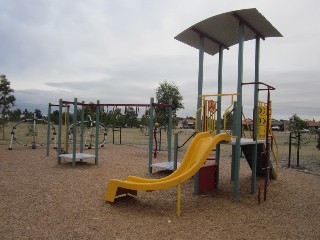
(312, 124)
(277, 125)
(187, 123)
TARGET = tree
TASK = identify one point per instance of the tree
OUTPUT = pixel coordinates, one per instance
(15, 115)
(38, 113)
(296, 124)
(164, 93)
(229, 120)
(55, 117)
(130, 117)
(7, 100)
(27, 115)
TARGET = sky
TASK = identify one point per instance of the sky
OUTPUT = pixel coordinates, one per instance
(119, 51)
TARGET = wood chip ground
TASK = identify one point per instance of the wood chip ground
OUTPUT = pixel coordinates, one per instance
(43, 200)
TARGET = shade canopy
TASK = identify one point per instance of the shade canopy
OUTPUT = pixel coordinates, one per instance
(223, 30)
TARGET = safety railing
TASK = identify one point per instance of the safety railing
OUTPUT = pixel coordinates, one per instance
(209, 113)
(275, 151)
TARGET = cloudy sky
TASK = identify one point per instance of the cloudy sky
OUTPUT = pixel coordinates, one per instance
(118, 51)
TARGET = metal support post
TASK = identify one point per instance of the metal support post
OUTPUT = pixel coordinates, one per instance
(75, 117)
(60, 131)
(236, 184)
(97, 133)
(81, 127)
(48, 128)
(170, 132)
(218, 130)
(255, 118)
(150, 133)
(199, 104)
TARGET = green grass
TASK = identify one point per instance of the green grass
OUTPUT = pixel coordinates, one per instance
(309, 154)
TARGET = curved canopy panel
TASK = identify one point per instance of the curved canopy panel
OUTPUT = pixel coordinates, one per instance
(223, 30)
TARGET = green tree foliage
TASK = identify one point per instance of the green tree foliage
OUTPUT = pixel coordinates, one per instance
(55, 117)
(27, 115)
(38, 113)
(145, 120)
(164, 93)
(296, 124)
(229, 120)
(7, 100)
(15, 115)
(130, 117)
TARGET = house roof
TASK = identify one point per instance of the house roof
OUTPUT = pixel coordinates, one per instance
(223, 30)
(312, 124)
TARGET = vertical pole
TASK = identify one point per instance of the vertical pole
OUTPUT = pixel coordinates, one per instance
(255, 118)
(48, 128)
(175, 153)
(75, 117)
(113, 134)
(67, 127)
(267, 155)
(218, 130)
(170, 132)
(97, 132)
(34, 131)
(234, 126)
(150, 134)
(179, 200)
(298, 150)
(82, 128)
(200, 81)
(236, 185)
(289, 160)
(199, 103)
(60, 131)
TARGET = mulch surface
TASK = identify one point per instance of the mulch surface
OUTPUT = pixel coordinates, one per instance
(43, 200)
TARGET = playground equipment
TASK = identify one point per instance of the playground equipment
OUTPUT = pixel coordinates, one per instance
(31, 128)
(114, 131)
(197, 153)
(89, 135)
(155, 131)
(63, 153)
(212, 36)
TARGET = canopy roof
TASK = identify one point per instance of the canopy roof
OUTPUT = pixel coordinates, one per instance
(223, 30)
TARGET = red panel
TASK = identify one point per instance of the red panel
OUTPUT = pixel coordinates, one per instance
(208, 176)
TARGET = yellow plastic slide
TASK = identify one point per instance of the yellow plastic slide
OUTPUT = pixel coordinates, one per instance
(197, 153)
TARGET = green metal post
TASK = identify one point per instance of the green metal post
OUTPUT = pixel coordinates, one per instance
(200, 82)
(67, 127)
(199, 104)
(175, 153)
(234, 126)
(97, 132)
(60, 131)
(236, 184)
(255, 118)
(82, 127)
(170, 132)
(75, 117)
(218, 130)
(150, 134)
(48, 129)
